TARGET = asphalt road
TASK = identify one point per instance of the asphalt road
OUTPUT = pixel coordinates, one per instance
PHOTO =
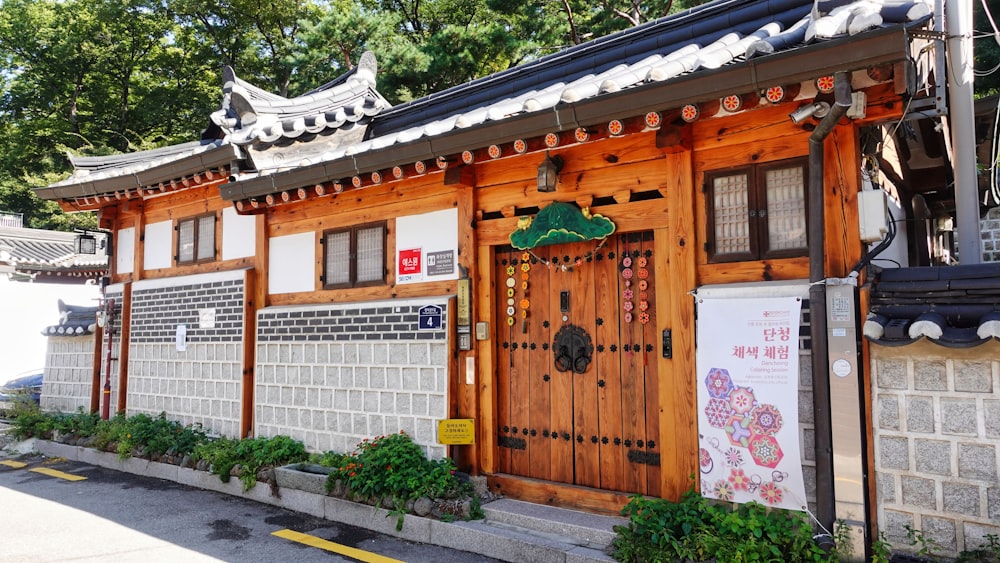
(114, 516)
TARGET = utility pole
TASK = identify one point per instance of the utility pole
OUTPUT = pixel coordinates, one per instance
(958, 19)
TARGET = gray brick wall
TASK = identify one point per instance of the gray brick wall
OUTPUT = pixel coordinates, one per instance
(990, 232)
(333, 375)
(200, 385)
(69, 370)
(937, 420)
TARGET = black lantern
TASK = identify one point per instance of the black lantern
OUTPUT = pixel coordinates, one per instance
(86, 244)
(548, 173)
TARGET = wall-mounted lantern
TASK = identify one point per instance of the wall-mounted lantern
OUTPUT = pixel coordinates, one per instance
(86, 244)
(548, 173)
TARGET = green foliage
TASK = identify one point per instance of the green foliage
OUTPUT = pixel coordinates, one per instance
(254, 454)
(329, 459)
(988, 552)
(154, 437)
(251, 455)
(881, 550)
(30, 421)
(698, 530)
(394, 468)
(928, 547)
(220, 454)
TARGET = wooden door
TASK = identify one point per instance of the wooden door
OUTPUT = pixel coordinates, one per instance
(576, 366)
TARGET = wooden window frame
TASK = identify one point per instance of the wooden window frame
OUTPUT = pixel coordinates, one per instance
(353, 256)
(196, 222)
(756, 175)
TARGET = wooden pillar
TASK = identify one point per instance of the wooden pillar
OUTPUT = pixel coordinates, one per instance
(466, 400)
(485, 387)
(123, 347)
(95, 379)
(678, 404)
(249, 353)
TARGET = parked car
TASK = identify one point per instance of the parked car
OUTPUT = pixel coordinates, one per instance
(26, 388)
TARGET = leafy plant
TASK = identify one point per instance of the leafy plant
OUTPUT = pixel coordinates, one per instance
(395, 468)
(157, 436)
(881, 549)
(254, 454)
(328, 459)
(990, 551)
(928, 546)
(220, 455)
(698, 530)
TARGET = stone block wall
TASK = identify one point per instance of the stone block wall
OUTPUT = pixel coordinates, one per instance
(937, 443)
(333, 375)
(990, 229)
(69, 372)
(200, 384)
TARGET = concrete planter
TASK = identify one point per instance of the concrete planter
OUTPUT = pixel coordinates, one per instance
(306, 477)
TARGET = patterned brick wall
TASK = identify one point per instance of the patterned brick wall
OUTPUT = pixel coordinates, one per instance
(334, 375)
(69, 370)
(937, 431)
(202, 383)
(990, 229)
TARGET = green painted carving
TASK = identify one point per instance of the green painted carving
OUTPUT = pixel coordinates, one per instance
(560, 223)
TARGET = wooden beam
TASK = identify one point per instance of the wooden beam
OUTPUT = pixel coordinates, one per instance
(467, 399)
(553, 494)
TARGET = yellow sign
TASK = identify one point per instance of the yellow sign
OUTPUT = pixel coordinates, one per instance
(457, 431)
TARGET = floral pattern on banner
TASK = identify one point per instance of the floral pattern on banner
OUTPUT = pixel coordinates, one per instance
(747, 360)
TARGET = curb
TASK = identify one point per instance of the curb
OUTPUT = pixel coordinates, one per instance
(479, 537)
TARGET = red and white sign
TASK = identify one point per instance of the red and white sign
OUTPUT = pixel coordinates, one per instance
(409, 266)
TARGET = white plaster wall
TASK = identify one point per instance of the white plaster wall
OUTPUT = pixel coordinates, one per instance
(125, 251)
(158, 245)
(292, 263)
(239, 234)
(430, 232)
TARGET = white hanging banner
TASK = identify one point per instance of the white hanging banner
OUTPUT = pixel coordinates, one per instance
(748, 390)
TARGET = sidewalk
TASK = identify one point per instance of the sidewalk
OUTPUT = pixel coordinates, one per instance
(512, 531)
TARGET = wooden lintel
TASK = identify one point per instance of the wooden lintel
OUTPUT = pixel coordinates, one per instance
(622, 196)
(674, 137)
(462, 175)
(585, 201)
(508, 210)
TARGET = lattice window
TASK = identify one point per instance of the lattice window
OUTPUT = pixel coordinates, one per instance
(757, 212)
(354, 257)
(195, 239)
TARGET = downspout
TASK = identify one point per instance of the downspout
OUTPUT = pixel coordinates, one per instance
(825, 498)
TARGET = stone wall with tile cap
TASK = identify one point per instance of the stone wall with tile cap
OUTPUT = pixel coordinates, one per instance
(937, 443)
(69, 373)
(333, 375)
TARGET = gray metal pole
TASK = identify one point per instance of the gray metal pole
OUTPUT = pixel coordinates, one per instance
(958, 19)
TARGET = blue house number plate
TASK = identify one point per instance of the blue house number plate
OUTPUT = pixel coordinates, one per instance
(430, 317)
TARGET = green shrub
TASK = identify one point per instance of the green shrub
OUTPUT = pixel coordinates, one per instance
(158, 436)
(329, 459)
(393, 467)
(698, 530)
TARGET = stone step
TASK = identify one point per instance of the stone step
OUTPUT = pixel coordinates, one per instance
(507, 542)
(571, 526)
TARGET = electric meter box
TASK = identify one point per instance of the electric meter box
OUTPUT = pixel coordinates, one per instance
(873, 216)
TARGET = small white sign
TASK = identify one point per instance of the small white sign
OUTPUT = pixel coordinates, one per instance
(181, 336)
(206, 318)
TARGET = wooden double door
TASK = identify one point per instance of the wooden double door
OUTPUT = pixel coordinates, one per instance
(576, 363)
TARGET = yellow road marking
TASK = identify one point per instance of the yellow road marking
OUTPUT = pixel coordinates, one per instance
(14, 464)
(56, 473)
(313, 541)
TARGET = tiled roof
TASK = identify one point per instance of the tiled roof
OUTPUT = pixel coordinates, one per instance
(705, 39)
(36, 250)
(251, 115)
(346, 127)
(954, 306)
(73, 321)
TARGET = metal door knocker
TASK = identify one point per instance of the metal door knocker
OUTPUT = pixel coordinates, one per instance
(573, 349)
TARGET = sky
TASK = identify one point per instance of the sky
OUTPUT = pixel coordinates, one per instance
(27, 308)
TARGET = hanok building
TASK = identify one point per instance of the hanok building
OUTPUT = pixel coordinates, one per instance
(543, 252)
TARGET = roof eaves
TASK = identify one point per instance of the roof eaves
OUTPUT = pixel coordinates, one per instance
(805, 63)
